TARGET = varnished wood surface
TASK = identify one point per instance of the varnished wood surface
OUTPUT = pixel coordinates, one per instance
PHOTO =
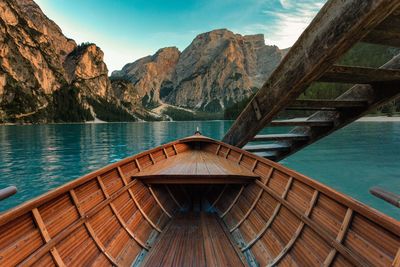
(194, 239)
(282, 218)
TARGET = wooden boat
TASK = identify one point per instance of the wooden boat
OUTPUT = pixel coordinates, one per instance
(197, 202)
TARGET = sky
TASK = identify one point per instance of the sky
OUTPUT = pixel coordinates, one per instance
(127, 30)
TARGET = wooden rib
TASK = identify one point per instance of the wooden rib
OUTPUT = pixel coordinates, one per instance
(353, 258)
(125, 226)
(152, 158)
(135, 200)
(117, 215)
(396, 261)
(240, 158)
(270, 220)
(218, 198)
(159, 202)
(173, 197)
(138, 165)
(255, 200)
(90, 230)
(233, 202)
(142, 211)
(176, 150)
(165, 152)
(254, 165)
(296, 235)
(227, 153)
(72, 227)
(219, 147)
(340, 236)
(46, 236)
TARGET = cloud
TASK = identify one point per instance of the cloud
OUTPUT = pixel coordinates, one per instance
(285, 20)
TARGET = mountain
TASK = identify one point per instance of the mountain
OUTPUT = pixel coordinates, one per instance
(219, 68)
(46, 77)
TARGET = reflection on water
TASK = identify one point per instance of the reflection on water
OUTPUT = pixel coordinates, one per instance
(38, 158)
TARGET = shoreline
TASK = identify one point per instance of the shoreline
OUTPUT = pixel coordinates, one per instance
(363, 119)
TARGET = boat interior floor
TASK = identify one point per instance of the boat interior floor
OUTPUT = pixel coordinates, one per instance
(195, 239)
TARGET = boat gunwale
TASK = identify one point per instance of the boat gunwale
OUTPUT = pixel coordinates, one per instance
(370, 213)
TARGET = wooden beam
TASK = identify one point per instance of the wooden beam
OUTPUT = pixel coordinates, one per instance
(375, 94)
(265, 147)
(336, 28)
(389, 197)
(328, 103)
(302, 122)
(389, 38)
(197, 179)
(359, 75)
(279, 137)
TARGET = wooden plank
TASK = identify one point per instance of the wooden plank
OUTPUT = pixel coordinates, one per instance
(90, 230)
(340, 236)
(176, 150)
(389, 197)
(296, 235)
(328, 103)
(359, 75)
(197, 179)
(46, 236)
(279, 137)
(116, 213)
(390, 38)
(265, 147)
(271, 219)
(233, 202)
(142, 211)
(336, 28)
(301, 122)
(159, 202)
(255, 201)
(152, 159)
(348, 254)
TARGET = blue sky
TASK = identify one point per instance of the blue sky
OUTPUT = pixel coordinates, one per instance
(130, 29)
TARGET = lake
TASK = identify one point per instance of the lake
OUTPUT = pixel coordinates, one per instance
(38, 158)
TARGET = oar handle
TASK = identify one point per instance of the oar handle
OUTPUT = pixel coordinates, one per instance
(389, 197)
(7, 192)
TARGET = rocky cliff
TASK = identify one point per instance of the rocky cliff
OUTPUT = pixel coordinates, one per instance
(46, 77)
(218, 69)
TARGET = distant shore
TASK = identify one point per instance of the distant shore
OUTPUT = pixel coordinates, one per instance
(97, 121)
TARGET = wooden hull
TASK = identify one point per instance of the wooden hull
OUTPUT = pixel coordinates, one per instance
(197, 202)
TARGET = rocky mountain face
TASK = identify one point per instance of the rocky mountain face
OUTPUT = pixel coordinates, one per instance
(46, 77)
(218, 69)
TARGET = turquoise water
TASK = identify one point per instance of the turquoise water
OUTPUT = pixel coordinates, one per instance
(38, 158)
